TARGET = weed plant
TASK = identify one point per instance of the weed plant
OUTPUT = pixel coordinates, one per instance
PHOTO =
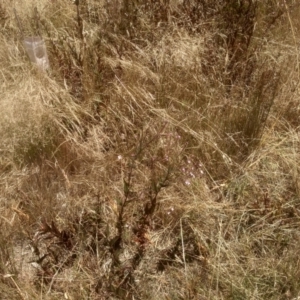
(158, 157)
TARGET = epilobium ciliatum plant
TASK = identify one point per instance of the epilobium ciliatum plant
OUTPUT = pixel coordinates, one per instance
(157, 159)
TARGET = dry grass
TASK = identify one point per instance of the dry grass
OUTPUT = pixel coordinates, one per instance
(157, 158)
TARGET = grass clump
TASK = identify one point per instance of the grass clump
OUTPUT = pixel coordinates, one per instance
(157, 157)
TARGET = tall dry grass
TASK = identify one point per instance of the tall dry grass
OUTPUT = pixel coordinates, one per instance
(157, 158)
